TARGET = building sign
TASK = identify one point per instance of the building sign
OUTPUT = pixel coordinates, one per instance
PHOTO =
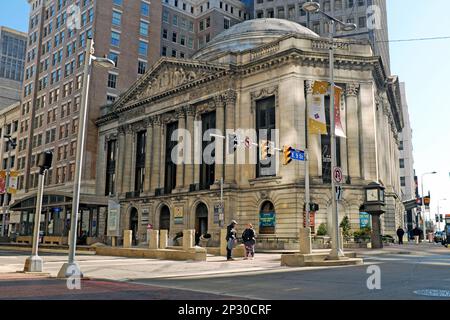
(218, 213)
(178, 216)
(113, 219)
(14, 217)
(364, 220)
(267, 223)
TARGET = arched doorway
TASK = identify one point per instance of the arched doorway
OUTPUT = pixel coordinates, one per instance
(164, 218)
(267, 218)
(201, 221)
(134, 222)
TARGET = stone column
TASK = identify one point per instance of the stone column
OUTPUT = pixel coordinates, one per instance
(181, 149)
(189, 166)
(148, 157)
(198, 151)
(120, 161)
(162, 154)
(353, 134)
(230, 124)
(127, 238)
(188, 239)
(220, 125)
(153, 242)
(128, 162)
(314, 144)
(156, 153)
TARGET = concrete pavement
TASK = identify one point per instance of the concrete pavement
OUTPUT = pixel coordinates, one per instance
(404, 270)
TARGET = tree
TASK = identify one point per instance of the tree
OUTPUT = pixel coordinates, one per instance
(322, 231)
(345, 225)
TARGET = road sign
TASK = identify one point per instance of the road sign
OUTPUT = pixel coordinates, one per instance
(298, 155)
(339, 193)
(247, 142)
(338, 175)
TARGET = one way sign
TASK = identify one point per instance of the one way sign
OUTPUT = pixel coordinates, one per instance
(339, 193)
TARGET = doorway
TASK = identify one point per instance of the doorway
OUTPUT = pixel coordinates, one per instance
(201, 221)
(164, 218)
(134, 219)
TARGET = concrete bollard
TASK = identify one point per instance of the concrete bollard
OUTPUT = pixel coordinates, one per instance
(153, 242)
(223, 242)
(305, 241)
(188, 239)
(163, 239)
(127, 238)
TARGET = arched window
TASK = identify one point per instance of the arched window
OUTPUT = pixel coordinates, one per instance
(267, 218)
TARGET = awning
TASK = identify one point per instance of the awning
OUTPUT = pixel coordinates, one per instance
(57, 199)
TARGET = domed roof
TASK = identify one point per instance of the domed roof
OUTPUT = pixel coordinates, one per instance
(251, 34)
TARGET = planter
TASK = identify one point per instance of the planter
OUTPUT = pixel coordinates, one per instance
(204, 242)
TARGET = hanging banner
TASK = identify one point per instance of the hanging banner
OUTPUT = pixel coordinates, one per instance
(13, 182)
(320, 87)
(113, 219)
(317, 121)
(2, 182)
(337, 112)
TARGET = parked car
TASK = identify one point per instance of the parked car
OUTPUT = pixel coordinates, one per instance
(438, 236)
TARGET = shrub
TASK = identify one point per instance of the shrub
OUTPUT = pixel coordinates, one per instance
(363, 234)
(345, 225)
(322, 231)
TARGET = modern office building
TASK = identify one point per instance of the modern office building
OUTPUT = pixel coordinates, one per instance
(370, 16)
(128, 32)
(12, 62)
(188, 25)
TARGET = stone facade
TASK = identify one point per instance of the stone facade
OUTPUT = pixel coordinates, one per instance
(232, 83)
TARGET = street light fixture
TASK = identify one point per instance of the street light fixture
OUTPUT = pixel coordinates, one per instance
(314, 7)
(423, 205)
(71, 266)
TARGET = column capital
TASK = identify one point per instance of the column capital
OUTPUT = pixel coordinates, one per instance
(219, 101)
(229, 97)
(352, 89)
(190, 110)
(156, 120)
(121, 130)
(180, 113)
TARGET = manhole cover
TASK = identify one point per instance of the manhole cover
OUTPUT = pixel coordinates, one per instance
(433, 293)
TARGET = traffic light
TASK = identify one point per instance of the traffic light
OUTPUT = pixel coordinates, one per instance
(437, 218)
(233, 143)
(441, 217)
(265, 149)
(287, 152)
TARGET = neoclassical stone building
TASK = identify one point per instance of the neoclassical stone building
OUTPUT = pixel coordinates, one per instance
(256, 75)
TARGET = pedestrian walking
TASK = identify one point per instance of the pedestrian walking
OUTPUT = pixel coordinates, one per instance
(249, 238)
(231, 239)
(400, 234)
(416, 233)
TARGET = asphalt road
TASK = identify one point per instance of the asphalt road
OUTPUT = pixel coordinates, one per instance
(421, 272)
(403, 277)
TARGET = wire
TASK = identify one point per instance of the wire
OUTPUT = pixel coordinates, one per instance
(416, 39)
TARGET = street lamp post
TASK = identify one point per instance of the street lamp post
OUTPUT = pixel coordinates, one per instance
(71, 266)
(423, 205)
(34, 263)
(314, 7)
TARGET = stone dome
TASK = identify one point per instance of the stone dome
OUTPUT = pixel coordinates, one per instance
(251, 34)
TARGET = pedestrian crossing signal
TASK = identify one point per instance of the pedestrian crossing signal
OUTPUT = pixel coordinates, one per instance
(287, 155)
(233, 143)
(265, 149)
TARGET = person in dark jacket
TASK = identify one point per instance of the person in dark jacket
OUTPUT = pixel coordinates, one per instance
(400, 234)
(249, 238)
(416, 233)
(231, 239)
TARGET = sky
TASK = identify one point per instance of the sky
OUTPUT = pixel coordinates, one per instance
(422, 65)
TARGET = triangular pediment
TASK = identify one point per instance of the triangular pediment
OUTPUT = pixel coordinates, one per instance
(166, 75)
